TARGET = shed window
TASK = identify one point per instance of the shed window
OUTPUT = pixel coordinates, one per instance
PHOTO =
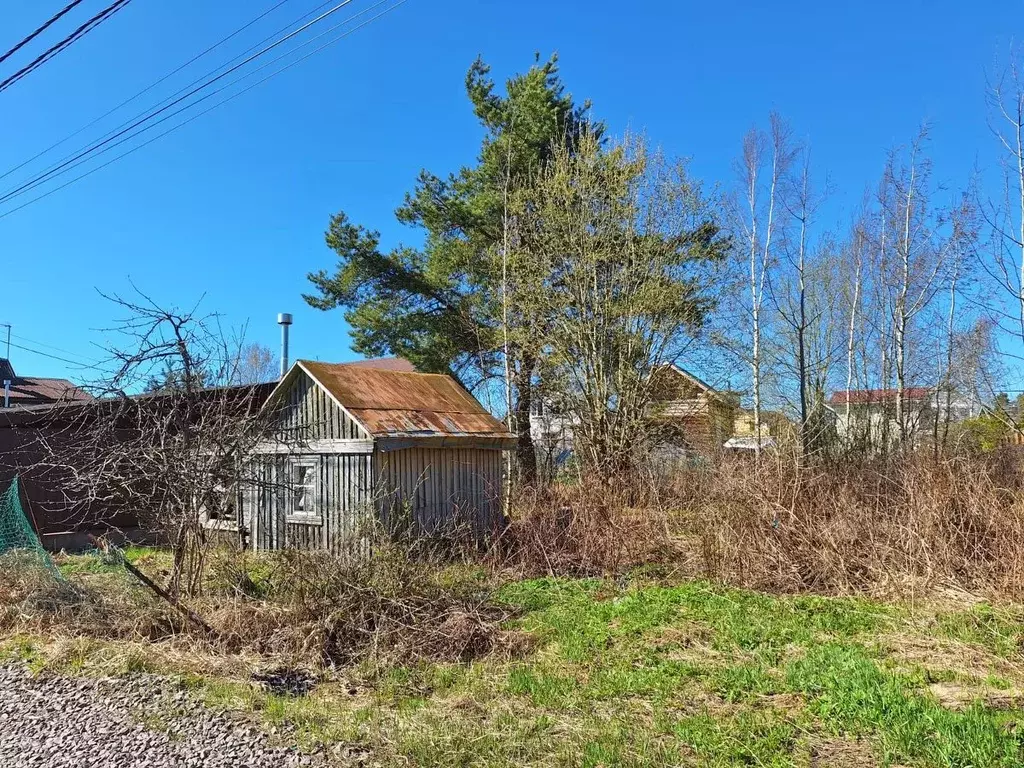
(303, 490)
(220, 510)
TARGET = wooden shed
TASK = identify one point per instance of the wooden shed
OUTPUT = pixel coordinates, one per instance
(351, 442)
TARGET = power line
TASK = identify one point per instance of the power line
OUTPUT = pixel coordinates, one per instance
(93, 149)
(55, 357)
(154, 84)
(205, 111)
(45, 176)
(78, 34)
(66, 9)
(39, 181)
(37, 343)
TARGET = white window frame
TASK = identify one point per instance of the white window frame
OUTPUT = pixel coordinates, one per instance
(311, 514)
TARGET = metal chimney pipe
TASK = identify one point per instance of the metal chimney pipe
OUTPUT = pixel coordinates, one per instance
(7, 393)
(284, 319)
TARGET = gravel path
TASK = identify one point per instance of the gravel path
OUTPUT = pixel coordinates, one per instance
(138, 722)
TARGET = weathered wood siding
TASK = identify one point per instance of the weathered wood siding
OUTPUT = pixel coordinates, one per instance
(439, 487)
(307, 412)
(343, 497)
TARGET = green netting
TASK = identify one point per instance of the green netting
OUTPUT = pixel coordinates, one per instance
(19, 544)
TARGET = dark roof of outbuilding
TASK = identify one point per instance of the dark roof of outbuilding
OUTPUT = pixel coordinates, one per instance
(398, 403)
(35, 390)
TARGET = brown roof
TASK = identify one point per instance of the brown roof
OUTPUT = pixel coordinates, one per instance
(33, 390)
(397, 403)
(868, 396)
(385, 364)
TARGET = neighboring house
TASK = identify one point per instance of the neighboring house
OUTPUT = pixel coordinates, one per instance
(688, 417)
(354, 442)
(693, 417)
(870, 414)
(24, 391)
(747, 437)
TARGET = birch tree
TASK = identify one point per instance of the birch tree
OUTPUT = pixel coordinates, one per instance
(1004, 263)
(763, 165)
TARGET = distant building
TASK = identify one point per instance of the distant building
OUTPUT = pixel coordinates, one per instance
(870, 414)
(25, 391)
(689, 420)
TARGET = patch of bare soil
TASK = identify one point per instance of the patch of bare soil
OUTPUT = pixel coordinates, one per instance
(842, 753)
(958, 697)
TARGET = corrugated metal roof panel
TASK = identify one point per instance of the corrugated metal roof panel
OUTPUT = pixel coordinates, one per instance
(392, 403)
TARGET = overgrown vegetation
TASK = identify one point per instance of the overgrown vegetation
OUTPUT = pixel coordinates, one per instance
(648, 671)
(611, 626)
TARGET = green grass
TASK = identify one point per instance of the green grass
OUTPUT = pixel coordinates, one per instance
(646, 673)
(998, 631)
(692, 674)
(146, 558)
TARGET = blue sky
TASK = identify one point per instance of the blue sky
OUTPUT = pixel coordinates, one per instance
(234, 205)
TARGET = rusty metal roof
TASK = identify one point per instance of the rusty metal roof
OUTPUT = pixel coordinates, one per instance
(385, 364)
(397, 403)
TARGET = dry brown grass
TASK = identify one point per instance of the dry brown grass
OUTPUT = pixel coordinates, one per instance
(898, 528)
(306, 608)
(888, 528)
(581, 530)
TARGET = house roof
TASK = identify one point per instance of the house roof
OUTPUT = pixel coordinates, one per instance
(385, 364)
(399, 403)
(869, 396)
(697, 382)
(34, 390)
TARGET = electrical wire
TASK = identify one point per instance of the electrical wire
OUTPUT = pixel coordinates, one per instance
(200, 114)
(53, 20)
(37, 343)
(153, 85)
(39, 182)
(78, 34)
(75, 363)
(47, 175)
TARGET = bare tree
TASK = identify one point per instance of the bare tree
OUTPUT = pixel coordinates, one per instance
(911, 279)
(1004, 265)
(254, 364)
(760, 239)
(175, 457)
(800, 295)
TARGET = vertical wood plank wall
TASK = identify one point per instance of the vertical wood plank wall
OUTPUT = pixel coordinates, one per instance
(439, 486)
(343, 496)
(309, 413)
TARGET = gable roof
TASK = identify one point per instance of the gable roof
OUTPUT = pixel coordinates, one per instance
(694, 380)
(32, 390)
(399, 403)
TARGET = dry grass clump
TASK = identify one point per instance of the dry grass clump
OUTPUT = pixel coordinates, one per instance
(308, 607)
(34, 599)
(342, 609)
(584, 529)
(872, 527)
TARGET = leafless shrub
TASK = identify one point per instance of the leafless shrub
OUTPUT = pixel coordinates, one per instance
(583, 530)
(895, 527)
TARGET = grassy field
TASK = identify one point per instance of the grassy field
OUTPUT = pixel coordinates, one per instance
(644, 671)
